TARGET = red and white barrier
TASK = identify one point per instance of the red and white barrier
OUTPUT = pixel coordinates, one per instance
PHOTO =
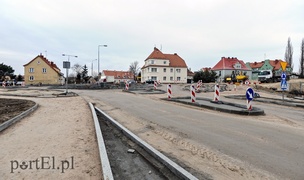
(249, 105)
(127, 85)
(155, 85)
(169, 91)
(216, 93)
(3, 84)
(23, 84)
(192, 92)
(199, 84)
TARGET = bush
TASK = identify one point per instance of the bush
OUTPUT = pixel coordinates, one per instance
(205, 76)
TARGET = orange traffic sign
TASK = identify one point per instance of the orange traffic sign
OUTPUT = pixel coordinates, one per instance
(283, 65)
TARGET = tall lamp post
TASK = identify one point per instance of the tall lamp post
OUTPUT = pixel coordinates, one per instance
(66, 64)
(92, 67)
(98, 56)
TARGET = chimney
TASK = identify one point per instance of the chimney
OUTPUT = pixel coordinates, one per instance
(175, 54)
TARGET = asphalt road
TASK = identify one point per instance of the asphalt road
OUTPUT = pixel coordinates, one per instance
(273, 143)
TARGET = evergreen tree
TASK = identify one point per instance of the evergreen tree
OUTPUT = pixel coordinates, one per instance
(84, 74)
(19, 77)
(6, 70)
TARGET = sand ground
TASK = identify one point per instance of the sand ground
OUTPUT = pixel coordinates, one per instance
(57, 141)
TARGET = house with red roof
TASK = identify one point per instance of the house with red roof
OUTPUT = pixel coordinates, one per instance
(166, 68)
(266, 65)
(116, 76)
(273, 65)
(228, 66)
(42, 71)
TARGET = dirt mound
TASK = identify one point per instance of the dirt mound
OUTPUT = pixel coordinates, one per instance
(10, 108)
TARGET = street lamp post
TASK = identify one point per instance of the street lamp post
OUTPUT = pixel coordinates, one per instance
(67, 71)
(92, 67)
(98, 56)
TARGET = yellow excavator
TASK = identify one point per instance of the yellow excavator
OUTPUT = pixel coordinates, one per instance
(238, 77)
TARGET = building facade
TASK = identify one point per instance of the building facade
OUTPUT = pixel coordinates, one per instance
(165, 68)
(42, 71)
(231, 66)
(116, 76)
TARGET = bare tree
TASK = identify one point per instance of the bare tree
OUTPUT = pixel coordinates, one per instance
(134, 68)
(288, 54)
(302, 60)
(77, 68)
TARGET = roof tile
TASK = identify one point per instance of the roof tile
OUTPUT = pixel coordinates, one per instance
(174, 59)
(228, 63)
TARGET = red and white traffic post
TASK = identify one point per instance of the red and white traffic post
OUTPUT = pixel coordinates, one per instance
(192, 92)
(155, 85)
(216, 93)
(169, 91)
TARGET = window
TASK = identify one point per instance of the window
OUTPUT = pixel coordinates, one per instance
(153, 69)
(178, 78)
(171, 70)
(31, 70)
(38, 62)
(152, 62)
(165, 69)
(178, 70)
(165, 62)
(220, 73)
(44, 70)
(154, 78)
(31, 78)
(164, 78)
(171, 78)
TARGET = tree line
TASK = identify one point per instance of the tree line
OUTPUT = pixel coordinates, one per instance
(289, 57)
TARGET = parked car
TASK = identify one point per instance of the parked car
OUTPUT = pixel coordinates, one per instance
(6, 83)
(150, 81)
(131, 81)
(19, 83)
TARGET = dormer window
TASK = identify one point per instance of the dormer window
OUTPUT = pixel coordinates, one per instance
(237, 66)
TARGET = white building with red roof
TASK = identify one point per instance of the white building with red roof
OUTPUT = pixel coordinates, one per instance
(116, 76)
(166, 68)
(228, 66)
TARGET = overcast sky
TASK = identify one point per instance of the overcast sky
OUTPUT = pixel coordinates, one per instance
(200, 31)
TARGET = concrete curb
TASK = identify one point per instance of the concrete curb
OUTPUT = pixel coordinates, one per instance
(144, 91)
(10, 122)
(36, 96)
(175, 168)
(270, 100)
(105, 164)
(255, 111)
